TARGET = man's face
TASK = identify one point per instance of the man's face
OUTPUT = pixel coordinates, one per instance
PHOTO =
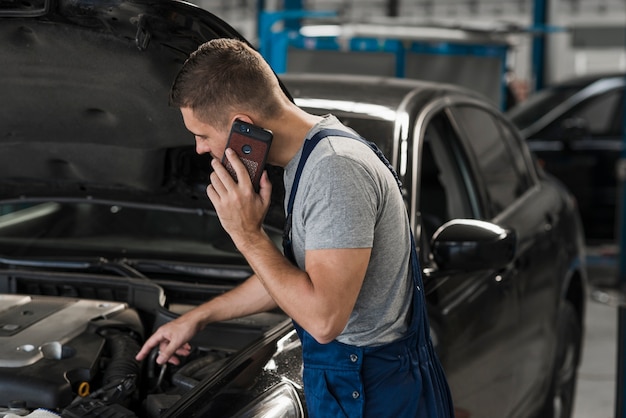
(208, 139)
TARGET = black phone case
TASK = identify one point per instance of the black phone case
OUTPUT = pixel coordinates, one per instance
(252, 144)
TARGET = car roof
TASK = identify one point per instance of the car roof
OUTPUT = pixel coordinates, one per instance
(342, 90)
(585, 80)
(545, 105)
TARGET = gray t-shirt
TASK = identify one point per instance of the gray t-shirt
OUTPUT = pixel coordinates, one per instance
(347, 198)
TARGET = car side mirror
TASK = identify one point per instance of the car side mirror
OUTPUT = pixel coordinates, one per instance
(468, 245)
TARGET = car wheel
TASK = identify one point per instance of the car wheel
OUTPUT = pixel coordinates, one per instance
(560, 401)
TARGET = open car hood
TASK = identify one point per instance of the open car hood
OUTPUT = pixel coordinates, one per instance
(106, 229)
(85, 87)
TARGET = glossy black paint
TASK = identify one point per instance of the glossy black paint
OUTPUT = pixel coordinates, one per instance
(576, 130)
(471, 244)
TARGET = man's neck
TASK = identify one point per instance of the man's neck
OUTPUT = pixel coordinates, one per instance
(289, 133)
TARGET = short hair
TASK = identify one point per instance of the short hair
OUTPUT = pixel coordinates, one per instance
(224, 76)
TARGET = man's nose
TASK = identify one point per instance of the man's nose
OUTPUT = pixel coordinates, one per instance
(201, 147)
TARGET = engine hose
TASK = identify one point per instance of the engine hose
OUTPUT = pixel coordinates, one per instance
(123, 349)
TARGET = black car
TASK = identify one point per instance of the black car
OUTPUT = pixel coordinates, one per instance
(576, 128)
(106, 231)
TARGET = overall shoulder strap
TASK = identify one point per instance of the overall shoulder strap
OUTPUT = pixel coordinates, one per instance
(307, 148)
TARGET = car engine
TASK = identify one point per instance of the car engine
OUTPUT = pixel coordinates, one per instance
(52, 348)
(75, 357)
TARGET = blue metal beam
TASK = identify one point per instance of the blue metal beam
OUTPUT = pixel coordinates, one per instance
(293, 5)
(274, 43)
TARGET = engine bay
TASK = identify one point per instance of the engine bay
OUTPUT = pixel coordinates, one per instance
(75, 355)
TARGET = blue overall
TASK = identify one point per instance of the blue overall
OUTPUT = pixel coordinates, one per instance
(400, 379)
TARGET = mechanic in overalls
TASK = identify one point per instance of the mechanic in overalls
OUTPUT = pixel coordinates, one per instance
(348, 276)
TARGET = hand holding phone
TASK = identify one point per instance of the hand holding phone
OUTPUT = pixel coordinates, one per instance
(251, 143)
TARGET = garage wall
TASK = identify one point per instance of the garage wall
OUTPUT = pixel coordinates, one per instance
(592, 38)
(595, 41)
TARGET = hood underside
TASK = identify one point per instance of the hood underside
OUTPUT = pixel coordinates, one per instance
(85, 88)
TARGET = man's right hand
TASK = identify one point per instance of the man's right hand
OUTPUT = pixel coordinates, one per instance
(172, 341)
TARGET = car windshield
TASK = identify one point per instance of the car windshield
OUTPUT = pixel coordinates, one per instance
(114, 230)
(539, 104)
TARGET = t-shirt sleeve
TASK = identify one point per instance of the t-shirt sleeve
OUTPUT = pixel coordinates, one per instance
(340, 205)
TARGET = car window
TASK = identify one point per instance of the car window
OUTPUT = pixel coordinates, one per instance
(599, 113)
(537, 105)
(499, 159)
(515, 146)
(446, 185)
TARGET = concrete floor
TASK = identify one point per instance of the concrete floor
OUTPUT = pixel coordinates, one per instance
(595, 397)
(596, 393)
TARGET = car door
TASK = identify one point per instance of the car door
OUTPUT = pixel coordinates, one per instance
(517, 199)
(474, 314)
(581, 148)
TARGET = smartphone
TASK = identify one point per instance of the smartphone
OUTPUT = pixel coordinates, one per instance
(252, 144)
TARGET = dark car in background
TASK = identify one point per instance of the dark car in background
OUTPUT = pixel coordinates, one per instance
(106, 231)
(507, 325)
(576, 129)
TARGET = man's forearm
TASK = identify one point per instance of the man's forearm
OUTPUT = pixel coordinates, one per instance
(246, 299)
(289, 286)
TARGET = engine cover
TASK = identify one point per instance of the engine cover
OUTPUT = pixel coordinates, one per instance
(50, 347)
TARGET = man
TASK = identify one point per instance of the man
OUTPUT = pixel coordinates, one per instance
(349, 285)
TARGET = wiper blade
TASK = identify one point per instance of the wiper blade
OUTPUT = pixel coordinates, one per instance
(116, 266)
(21, 262)
(221, 271)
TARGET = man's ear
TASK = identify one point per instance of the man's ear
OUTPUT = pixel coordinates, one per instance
(242, 117)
